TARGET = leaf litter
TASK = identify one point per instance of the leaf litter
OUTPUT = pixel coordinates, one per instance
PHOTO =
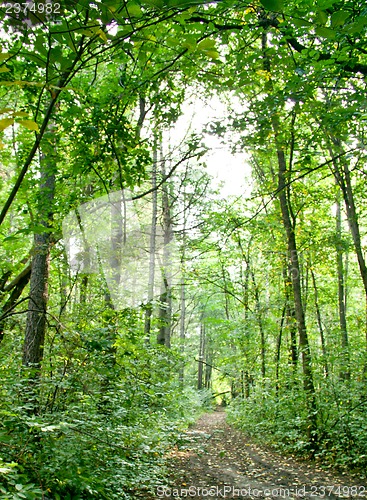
(215, 460)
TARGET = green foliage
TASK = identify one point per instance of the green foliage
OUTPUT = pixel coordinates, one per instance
(280, 419)
(104, 440)
(15, 485)
(85, 90)
(274, 5)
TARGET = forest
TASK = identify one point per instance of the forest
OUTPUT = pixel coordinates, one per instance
(135, 293)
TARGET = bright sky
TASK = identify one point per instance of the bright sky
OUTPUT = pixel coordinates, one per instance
(231, 170)
(127, 276)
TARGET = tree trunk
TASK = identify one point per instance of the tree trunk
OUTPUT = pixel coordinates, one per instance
(342, 176)
(118, 241)
(319, 322)
(294, 267)
(183, 296)
(38, 296)
(294, 270)
(291, 321)
(201, 356)
(245, 375)
(261, 326)
(86, 260)
(182, 323)
(345, 371)
(208, 367)
(277, 350)
(295, 273)
(152, 250)
(225, 289)
(165, 309)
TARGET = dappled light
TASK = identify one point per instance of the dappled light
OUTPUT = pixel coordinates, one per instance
(183, 278)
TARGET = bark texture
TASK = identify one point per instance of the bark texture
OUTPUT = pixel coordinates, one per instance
(38, 296)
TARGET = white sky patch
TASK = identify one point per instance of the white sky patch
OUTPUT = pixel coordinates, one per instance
(231, 171)
(112, 234)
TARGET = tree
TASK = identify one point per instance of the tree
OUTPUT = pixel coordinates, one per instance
(38, 297)
(264, 281)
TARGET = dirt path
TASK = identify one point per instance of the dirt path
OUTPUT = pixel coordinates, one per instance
(214, 460)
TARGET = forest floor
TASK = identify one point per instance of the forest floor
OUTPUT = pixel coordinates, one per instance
(214, 460)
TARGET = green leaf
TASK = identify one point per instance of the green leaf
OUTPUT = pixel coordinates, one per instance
(91, 29)
(29, 124)
(322, 17)
(183, 3)
(325, 33)
(359, 24)
(172, 42)
(70, 42)
(339, 18)
(134, 10)
(4, 56)
(112, 3)
(206, 44)
(189, 42)
(325, 4)
(21, 83)
(35, 58)
(4, 69)
(301, 23)
(50, 428)
(157, 4)
(35, 229)
(273, 5)
(40, 45)
(55, 54)
(102, 35)
(5, 123)
(213, 54)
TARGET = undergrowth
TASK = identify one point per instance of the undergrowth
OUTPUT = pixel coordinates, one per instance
(280, 419)
(95, 433)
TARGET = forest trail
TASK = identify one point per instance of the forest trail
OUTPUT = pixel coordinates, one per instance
(215, 460)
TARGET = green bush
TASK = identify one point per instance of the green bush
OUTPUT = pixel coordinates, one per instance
(280, 419)
(101, 438)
